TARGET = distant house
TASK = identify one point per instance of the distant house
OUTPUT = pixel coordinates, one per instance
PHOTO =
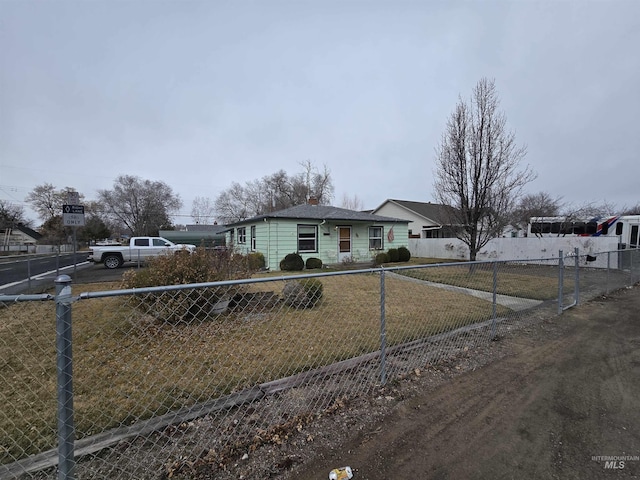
(426, 220)
(329, 233)
(19, 239)
(208, 236)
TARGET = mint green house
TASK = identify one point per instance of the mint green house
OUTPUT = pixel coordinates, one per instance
(332, 234)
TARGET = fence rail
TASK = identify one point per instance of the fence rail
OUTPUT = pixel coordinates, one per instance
(140, 383)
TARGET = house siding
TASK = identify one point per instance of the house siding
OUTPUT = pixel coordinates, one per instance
(275, 238)
(416, 222)
(426, 220)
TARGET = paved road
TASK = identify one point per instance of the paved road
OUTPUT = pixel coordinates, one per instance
(14, 273)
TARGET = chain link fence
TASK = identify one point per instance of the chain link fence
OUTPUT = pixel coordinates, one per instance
(152, 382)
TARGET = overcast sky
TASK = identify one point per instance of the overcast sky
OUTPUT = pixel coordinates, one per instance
(199, 94)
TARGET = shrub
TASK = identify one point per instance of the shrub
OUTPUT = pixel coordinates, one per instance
(303, 293)
(313, 263)
(292, 262)
(348, 260)
(255, 261)
(404, 255)
(200, 267)
(381, 258)
(393, 254)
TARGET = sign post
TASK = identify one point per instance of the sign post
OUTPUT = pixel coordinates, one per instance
(73, 216)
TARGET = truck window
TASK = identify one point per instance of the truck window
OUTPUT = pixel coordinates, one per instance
(141, 242)
(159, 242)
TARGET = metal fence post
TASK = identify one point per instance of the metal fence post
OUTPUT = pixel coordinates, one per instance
(560, 280)
(494, 313)
(606, 288)
(383, 331)
(576, 295)
(66, 429)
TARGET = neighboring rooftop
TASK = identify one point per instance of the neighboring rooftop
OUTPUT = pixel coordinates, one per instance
(435, 212)
(323, 212)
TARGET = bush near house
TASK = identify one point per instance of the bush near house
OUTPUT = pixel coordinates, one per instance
(381, 258)
(313, 263)
(256, 261)
(292, 262)
(393, 255)
(404, 255)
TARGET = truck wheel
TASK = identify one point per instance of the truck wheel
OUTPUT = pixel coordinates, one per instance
(112, 261)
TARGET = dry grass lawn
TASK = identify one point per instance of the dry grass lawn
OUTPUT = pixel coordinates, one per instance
(129, 365)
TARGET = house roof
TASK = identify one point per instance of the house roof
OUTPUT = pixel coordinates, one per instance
(322, 212)
(214, 229)
(28, 231)
(435, 212)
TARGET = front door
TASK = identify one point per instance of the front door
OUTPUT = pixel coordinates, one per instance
(344, 243)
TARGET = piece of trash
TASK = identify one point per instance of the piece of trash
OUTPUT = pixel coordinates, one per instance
(343, 473)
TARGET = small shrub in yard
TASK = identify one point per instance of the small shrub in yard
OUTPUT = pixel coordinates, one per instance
(393, 255)
(303, 293)
(314, 289)
(346, 261)
(313, 263)
(292, 262)
(381, 258)
(256, 261)
(202, 266)
(404, 255)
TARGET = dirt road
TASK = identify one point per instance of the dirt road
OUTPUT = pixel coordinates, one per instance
(564, 393)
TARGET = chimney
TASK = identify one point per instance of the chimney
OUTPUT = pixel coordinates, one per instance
(313, 201)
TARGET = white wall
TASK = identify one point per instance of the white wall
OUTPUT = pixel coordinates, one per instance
(515, 248)
(53, 248)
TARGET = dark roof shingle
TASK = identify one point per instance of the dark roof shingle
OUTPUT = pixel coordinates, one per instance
(435, 212)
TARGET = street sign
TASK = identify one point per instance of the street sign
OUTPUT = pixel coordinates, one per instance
(73, 215)
(73, 198)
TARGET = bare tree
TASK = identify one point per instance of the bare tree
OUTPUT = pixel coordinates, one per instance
(203, 210)
(231, 205)
(635, 210)
(11, 215)
(352, 203)
(478, 168)
(273, 192)
(322, 185)
(319, 184)
(47, 201)
(539, 204)
(143, 206)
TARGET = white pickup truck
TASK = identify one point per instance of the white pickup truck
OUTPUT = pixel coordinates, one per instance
(138, 250)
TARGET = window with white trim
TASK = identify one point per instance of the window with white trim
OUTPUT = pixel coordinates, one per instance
(375, 238)
(242, 235)
(253, 237)
(307, 238)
